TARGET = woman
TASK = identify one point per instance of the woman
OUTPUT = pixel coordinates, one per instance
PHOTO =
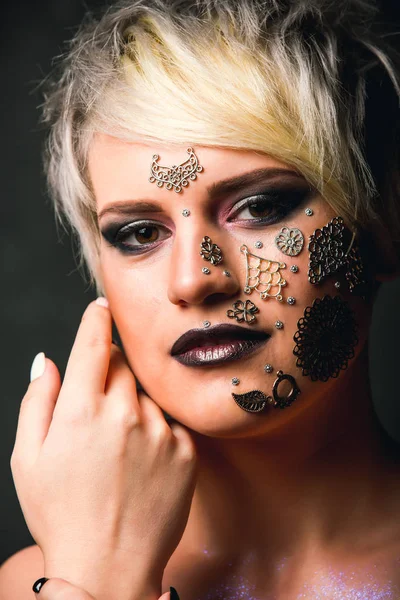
(231, 171)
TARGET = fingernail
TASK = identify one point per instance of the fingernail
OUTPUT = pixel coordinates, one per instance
(102, 301)
(173, 593)
(38, 366)
(37, 586)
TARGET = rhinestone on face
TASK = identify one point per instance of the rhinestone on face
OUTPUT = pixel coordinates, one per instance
(227, 273)
(278, 324)
(186, 212)
(309, 212)
(337, 284)
(268, 368)
(258, 244)
(206, 271)
(235, 381)
(294, 268)
(291, 300)
(206, 323)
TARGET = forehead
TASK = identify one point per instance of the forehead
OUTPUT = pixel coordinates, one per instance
(120, 170)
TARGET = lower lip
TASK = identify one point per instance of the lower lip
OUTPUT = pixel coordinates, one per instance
(216, 355)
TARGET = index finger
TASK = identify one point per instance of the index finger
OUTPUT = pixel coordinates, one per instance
(89, 360)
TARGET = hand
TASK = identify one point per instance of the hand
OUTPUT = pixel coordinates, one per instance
(104, 482)
(59, 589)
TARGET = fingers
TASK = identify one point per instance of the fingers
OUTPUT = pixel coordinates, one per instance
(152, 416)
(87, 367)
(59, 589)
(36, 413)
(120, 378)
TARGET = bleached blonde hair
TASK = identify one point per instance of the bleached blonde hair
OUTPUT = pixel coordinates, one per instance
(313, 83)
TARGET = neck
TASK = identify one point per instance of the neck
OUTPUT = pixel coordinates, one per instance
(310, 485)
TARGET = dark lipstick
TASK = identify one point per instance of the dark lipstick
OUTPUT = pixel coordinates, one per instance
(218, 344)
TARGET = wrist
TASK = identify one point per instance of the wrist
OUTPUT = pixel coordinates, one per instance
(108, 582)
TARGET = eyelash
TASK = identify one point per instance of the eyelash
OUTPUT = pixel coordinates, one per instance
(282, 203)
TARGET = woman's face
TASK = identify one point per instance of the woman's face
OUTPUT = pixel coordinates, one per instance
(157, 290)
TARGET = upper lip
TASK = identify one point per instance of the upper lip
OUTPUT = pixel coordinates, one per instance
(217, 334)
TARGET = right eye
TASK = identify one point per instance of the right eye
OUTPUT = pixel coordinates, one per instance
(142, 235)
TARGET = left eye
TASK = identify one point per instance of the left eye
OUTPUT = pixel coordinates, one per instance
(268, 208)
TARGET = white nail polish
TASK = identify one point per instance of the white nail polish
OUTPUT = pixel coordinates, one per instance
(38, 366)
(102, 301)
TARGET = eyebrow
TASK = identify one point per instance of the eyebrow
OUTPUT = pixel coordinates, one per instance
(219, 188)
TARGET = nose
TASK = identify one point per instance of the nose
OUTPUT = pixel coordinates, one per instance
(188, 284)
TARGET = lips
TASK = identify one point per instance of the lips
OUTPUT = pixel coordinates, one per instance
(220, 343)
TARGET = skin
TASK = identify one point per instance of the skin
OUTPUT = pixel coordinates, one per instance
(283, 498)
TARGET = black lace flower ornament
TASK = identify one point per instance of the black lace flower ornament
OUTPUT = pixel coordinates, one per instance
(333, 249)
(326, 338)
(327, 254)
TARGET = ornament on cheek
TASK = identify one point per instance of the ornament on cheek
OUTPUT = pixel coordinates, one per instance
(326, 338)
(263, 275)
(290, 241)
(333, 249)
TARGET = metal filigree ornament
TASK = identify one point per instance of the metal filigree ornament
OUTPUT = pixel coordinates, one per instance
(326, 338)
(253, 402)
(279, 401)
(177, 176)
(243, 311)
(290, 241)
(263, 275)
(256, 401)
(332, 249)
(210, 251)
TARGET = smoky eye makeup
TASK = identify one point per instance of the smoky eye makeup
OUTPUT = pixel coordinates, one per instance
(270, 205)
(147, 234)
(256, 209)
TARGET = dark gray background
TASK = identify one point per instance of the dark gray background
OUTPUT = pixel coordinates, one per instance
(42, 293)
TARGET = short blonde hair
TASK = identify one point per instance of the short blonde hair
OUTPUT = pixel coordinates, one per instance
(301, 80)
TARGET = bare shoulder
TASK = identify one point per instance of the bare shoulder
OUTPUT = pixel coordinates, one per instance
(19, 572)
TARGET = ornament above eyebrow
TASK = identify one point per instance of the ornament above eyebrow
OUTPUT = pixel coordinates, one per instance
(177, 176)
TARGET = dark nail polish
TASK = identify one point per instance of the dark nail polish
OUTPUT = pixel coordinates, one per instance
(174, 594)
(37, 586)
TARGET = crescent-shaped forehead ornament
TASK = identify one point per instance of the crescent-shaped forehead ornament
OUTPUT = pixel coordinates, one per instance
(175, 177)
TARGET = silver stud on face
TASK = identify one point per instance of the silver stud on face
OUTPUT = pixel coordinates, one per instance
(337, 284)
(206, 323)
(235, 381)
(268, 368)
(206, 271)
(226, 273)
(291, 300)
(186, 212)
(294, 268)
(278, 324)
(309, 212)
(258, 244)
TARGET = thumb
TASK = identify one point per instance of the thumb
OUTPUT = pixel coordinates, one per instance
(59, 589)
